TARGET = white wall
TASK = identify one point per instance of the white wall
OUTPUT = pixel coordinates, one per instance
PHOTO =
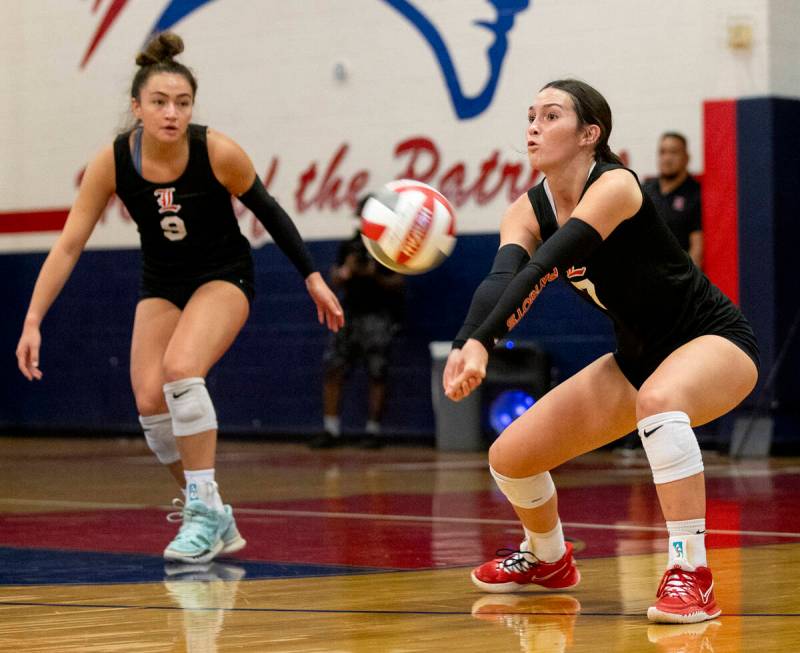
(784, 47)
(266, 75)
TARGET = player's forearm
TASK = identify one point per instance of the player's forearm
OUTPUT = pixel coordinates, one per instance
(572, 243)
(508, 261)
(54, 274)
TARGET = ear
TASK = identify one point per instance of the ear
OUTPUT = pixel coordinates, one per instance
(591, 135)
(136, 108)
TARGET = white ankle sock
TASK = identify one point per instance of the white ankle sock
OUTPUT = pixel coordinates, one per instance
(200, 485)
(332, 425)
(372, 427)
(687, 540)
(548, 547)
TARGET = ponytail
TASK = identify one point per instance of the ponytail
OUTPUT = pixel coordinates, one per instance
(604, 153)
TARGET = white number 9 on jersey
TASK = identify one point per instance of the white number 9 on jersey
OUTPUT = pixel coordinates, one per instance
(173, 227)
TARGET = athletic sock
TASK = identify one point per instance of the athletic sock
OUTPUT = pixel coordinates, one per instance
(373, 427)
(200, 485)
(687, 540)
(332, 425)
(547, 547)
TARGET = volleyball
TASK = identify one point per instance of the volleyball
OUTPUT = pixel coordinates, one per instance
(408, 226)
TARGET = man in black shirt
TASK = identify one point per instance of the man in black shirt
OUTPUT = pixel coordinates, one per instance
(372, 298)
(676, 195)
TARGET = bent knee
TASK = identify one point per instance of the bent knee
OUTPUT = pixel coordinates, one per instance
(177, 368)
(150, 400)
(655, 398)
(507, 460)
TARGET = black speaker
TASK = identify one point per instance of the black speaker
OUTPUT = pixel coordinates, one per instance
(519, 373)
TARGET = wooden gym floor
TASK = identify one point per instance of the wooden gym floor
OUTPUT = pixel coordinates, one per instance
(352, 551)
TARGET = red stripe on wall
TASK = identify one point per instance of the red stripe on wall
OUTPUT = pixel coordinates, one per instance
(31, 221)
(720, 197)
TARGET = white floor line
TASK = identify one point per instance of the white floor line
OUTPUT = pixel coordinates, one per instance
(268, 512)
(474, 520)
(75, 504)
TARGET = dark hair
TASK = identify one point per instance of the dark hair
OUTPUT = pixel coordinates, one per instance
(676, 135)
(592, 109)
(157, 57)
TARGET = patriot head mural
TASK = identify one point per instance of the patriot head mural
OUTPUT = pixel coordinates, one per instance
(465, 106)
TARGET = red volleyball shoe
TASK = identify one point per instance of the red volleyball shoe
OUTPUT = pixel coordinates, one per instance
(515, 569)
(685, 596)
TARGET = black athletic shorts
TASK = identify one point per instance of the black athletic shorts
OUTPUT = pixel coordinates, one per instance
(638, 367)
(178, 291)
(364, 337)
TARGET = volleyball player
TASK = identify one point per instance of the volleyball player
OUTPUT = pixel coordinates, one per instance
(685, 354)
(176, 179)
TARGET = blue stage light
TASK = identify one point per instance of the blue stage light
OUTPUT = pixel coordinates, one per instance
(507, 406)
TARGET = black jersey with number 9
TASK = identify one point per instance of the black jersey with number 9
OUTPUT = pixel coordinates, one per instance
(186, 226)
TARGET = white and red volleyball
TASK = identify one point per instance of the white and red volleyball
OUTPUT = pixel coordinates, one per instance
(408, 226)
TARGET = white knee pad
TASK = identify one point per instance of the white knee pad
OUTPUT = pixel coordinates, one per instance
(529, 492)
(190, 406)
(671, 446)
(158, 434)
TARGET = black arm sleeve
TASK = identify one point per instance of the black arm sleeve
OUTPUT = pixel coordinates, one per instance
(279, 225)
(509, 260)
(572, 243)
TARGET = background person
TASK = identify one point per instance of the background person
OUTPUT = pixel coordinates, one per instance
(373, 301)
(676, 194)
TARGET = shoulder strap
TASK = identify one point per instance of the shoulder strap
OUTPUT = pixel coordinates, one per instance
(122, 157)
(198, 152)
(544, 212)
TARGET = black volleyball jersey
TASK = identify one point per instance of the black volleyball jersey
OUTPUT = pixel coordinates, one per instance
(642, 279)
(187, 227)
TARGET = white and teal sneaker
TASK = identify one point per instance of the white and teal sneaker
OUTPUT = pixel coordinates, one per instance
(232, 540)
(200, 537)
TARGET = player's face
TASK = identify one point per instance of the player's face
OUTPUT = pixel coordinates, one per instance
(552, 136)
(672, 157)
(165, 106)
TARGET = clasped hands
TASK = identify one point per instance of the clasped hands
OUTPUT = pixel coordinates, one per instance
(465, 370)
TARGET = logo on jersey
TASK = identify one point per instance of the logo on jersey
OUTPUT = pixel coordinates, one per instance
(577, 277)
(678, 203)
(165, 199)
(465, 106)
(576, 273)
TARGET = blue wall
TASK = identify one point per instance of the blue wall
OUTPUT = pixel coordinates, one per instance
(270, 380)
(769, 239)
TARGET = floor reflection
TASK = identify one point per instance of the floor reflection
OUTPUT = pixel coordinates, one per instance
(684, 638)
(542, 622)
(204, 593)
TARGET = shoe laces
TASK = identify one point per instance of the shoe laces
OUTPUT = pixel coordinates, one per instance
(678, 583)
(517, 560)
(197, 525)
(173, 517)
